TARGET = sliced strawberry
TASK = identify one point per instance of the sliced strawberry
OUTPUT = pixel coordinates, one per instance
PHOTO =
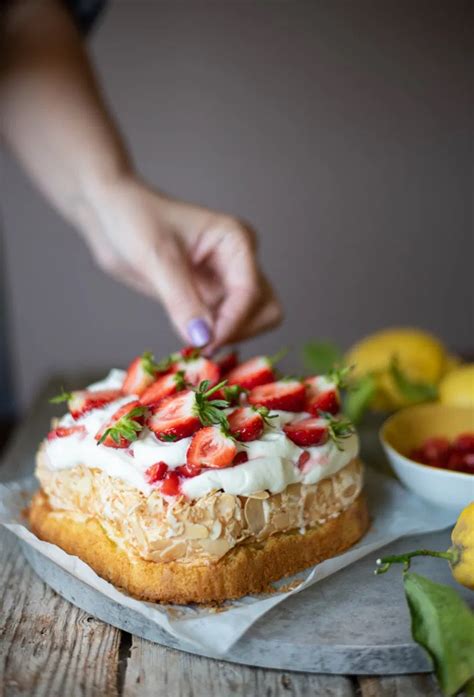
(256, 371)
(246, 424)
(318, 430)
(211, 447)
(240, 458)
(165, 386)
(175, 417)
(155, 473)
(287, 395)
(142, 372)
(198, 369)
(64, 431)
(303, 459)
(321, 395)
(227, 362)
(82, 401)
(306, 432)
(186, 471)
(171, 485)
(124, 426)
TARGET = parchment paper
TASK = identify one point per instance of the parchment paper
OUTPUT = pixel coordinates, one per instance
(394, 511)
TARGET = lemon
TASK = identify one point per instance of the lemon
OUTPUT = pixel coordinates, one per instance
(421, 358)
(457, 387)
(462, 538)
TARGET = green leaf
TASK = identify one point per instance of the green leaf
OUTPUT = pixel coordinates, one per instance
(443, 624)
(414, 392)
(359, 397)
(63, 397)
(321, 357)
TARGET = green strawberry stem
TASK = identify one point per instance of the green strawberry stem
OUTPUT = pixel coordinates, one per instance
(276, 358)
(63, 397)
(385, 563)
(126, 427)
(209, 411)
(337, 428)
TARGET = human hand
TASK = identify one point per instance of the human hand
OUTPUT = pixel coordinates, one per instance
(200, 264)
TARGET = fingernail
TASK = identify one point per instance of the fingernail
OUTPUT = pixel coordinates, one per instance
(199, 331)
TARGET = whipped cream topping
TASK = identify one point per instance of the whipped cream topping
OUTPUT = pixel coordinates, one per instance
(272, 459)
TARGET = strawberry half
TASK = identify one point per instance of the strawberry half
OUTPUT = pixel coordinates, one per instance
(246, 424)
(318, 430)
(142, 372)
(64, 431)
(288, 395)
(227, 362)
(256, 371)
(82, 401)
(211, 447)
(124, 426)
(306, 432)
(196, 370)
(321, 395)
(165, 386)
(175, 417)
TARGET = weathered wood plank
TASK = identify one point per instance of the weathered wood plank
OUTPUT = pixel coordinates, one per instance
(153, 670)
(49, 648)
(400, 686)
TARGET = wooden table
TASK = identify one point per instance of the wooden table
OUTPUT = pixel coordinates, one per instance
(49, 648)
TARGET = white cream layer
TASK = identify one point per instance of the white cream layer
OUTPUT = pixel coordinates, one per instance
(272, 459)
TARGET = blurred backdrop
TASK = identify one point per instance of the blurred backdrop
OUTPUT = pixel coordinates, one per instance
(341, 130)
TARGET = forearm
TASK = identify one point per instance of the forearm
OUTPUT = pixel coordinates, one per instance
(52, 115)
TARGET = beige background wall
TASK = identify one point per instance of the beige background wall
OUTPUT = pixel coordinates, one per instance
(341, 129)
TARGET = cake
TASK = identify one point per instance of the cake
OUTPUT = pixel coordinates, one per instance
(195, 480)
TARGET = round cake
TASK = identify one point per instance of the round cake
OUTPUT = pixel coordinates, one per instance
(196, 480)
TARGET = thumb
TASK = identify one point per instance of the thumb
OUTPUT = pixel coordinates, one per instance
(172, 278)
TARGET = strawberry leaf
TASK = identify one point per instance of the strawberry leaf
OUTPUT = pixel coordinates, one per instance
(321, 357)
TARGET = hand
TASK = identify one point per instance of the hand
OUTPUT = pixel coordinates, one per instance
(202, 265)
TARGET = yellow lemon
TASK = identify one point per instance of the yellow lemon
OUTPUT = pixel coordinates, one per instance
(457, 387)
(421, 358)
(462, 538)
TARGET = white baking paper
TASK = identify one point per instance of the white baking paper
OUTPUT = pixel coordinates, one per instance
(394, 511)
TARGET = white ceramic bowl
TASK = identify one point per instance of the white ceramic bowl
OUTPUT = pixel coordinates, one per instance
(408, 429)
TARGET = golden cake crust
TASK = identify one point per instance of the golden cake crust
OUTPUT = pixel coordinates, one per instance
(247, 568)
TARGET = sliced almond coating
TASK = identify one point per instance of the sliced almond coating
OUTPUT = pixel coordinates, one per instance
(216, 530)
(259, 495)
(254, 515)
(194, 531)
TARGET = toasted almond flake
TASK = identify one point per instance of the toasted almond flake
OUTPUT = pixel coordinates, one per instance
(194, 531)
(254, 515)
(215, 530)
(259, 495)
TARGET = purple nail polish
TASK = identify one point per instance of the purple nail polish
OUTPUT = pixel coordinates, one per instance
(199, 332)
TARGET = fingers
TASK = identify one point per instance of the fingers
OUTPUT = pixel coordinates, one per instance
(267, 315)
(168, 272)
(236, 267)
